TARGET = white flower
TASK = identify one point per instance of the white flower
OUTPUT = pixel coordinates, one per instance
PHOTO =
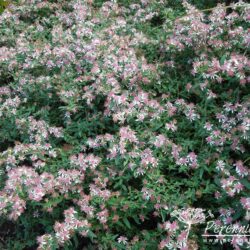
(122, 240)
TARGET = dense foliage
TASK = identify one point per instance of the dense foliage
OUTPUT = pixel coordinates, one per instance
(123, 123)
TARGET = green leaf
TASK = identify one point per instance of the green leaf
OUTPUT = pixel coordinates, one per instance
(136, 219)
(246, 183)
(126, 222)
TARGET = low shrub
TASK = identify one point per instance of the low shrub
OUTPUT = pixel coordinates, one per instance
(123, 125)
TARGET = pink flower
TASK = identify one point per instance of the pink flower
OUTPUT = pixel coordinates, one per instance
(160, 140)
(123, 240)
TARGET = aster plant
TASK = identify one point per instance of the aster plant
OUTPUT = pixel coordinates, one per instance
(122, 123)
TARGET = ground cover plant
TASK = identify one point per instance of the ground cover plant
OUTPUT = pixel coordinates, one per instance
(124, 124)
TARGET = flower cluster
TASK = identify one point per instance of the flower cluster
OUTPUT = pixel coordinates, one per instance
(122, 122)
